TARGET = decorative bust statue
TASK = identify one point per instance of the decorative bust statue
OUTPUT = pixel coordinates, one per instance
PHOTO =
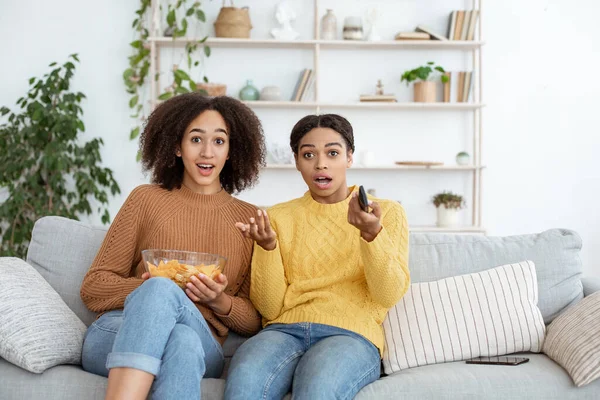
(284, 14)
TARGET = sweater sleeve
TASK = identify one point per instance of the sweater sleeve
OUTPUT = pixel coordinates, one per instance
(243, 317)
(386, 259)
(108, 281)
(269, 283)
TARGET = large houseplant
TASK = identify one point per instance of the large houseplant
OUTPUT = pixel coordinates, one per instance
(448, 204)
(45, 168)
(425, 78)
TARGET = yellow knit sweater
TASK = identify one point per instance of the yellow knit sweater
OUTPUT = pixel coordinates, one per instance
(322, 271)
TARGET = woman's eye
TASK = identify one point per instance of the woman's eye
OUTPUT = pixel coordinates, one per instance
(333, 153)
(307, 155)
(195, 139)
(220, 141)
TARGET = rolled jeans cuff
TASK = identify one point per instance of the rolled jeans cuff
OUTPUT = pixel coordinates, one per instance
(139, 361)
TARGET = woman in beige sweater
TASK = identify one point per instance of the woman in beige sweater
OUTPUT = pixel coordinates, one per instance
(152, 335)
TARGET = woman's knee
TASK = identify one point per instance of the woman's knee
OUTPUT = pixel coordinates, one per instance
(155, 290)
(185, 342)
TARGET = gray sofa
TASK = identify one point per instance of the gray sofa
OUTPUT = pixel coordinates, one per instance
(62, 250)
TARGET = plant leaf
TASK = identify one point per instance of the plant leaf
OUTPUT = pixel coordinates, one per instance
(135, 132)
(201, 16)
(207, 51)
(133, 101)
(165, 96)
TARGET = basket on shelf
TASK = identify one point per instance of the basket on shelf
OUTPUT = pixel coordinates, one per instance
(233, 22)
(212, 89)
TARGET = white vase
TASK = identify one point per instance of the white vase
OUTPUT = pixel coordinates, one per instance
(329, 26)
(447, 217)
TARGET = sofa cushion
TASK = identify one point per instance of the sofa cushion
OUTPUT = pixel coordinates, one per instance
(62, 251)
(490, 313)
(540, 378)
(555, 253)
(574, 340)
(37, 329)
(68, 382)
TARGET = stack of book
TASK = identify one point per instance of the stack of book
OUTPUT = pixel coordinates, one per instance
(462, 24)
(458, 87)
(304, 85)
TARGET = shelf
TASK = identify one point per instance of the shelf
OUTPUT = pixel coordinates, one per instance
(366, 105)
(395, 167)
(334, 44)
(402, 44)
(458, 229)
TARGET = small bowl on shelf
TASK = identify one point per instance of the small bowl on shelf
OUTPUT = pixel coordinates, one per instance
(179, 266)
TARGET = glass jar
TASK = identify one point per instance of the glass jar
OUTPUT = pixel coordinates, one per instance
(353, 28)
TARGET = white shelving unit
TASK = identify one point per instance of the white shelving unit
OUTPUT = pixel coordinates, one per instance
(317, 46)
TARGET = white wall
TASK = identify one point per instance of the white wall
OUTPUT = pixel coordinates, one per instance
(540, 127)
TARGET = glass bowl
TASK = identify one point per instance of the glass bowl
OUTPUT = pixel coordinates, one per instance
(179, 265)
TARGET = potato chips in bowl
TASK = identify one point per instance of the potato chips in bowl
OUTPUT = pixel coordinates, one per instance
(179, 265)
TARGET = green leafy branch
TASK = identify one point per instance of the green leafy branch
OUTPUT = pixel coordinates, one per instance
(423, 73)
(135, 76)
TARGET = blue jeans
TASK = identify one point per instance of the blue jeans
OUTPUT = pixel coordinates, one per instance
(161, 332)
(315, 361)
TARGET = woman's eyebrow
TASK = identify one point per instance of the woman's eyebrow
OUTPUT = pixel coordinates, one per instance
(200, 130)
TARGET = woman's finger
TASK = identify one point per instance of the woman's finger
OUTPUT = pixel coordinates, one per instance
(211, 284)
(193, 289)
(260, 222)
(267, 222)
(192, 296)
(254, 229)
(202, 289)
(376, 208)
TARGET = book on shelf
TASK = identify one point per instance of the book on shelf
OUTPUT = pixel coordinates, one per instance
(459, 87)
(424, 29)
(388, 98)
(309, 87)
(412, 36)
(461, 25)
(301, 84)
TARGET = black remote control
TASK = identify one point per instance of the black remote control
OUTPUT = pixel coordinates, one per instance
(362, 199)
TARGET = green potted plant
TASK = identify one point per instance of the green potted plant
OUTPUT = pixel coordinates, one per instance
(45, 166)
(425, 78)
(448, 205)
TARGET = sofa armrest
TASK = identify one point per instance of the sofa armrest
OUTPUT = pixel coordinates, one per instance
(591, 284)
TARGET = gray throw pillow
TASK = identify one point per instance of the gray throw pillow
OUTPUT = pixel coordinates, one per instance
(37, 328)
(573, 340)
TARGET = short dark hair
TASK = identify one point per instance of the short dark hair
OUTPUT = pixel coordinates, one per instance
(332, 121)
(165, 128)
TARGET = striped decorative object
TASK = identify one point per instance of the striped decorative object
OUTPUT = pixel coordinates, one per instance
(490, 313)
(573, 340)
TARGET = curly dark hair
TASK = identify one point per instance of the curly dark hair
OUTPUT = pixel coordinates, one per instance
(165, 128)
(332, 121)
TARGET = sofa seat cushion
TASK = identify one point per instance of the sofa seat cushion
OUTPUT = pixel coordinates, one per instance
(540, 378)
(69, 382)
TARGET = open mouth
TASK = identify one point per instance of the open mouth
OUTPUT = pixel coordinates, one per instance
(322, 182)
(205, 169)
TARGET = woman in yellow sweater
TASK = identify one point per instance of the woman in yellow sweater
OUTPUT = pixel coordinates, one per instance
(152, 336)
(324, 275)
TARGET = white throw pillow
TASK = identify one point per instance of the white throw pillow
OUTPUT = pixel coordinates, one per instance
(37, 329)
(490, 313)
